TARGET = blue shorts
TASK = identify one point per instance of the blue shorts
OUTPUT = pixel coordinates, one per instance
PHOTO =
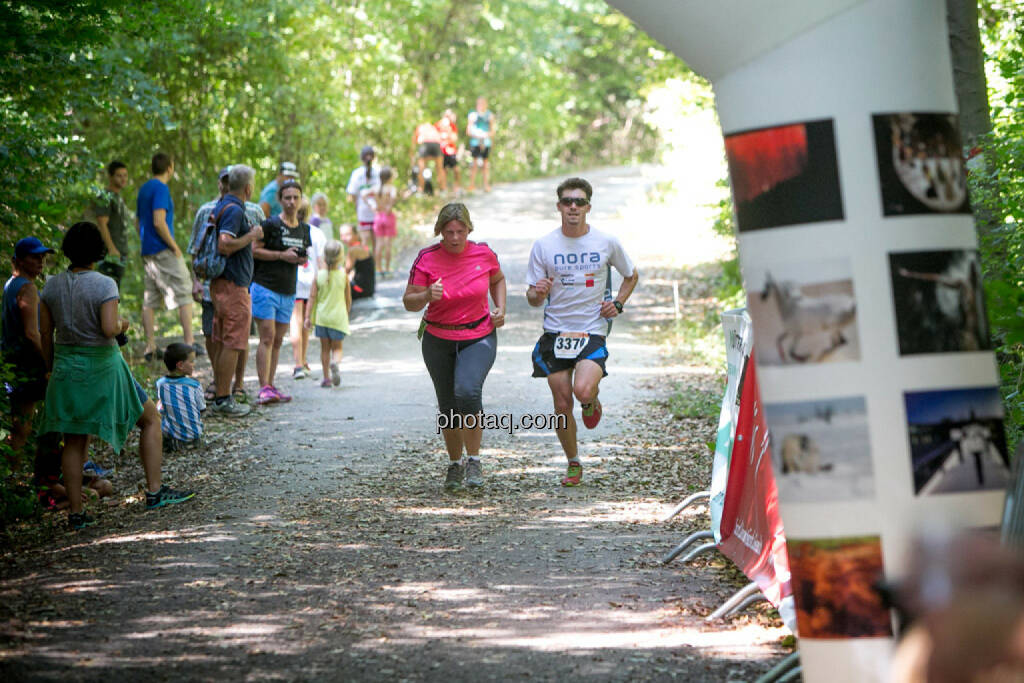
(269, 305)
(545, 363)
(321, 332)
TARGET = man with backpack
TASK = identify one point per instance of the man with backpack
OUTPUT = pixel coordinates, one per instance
(229, 291)
(201, 287)
(278, 254)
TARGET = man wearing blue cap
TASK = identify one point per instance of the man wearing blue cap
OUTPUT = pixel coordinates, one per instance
(20, 343)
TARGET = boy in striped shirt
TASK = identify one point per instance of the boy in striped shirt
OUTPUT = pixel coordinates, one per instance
(180, 399)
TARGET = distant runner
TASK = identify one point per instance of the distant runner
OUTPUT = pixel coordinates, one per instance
(570, 274)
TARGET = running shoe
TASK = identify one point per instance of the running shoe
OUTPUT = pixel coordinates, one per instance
(574, 474)
(456, 473)
(281, 396)
(592, 414)
(474, 474)
(230, 408)
(267, 395)
(335, 374)
(80, 520)
(299, 373)
(167, 496)
(326, 383)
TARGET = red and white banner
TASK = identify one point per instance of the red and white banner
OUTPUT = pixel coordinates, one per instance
(751, 527)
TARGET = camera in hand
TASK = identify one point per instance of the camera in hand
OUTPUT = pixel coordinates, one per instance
(122, 338)
(301, 251)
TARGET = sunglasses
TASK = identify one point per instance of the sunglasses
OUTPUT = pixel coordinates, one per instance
(569, 201)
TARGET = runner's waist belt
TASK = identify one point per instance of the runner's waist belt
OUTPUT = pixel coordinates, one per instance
(463, 326)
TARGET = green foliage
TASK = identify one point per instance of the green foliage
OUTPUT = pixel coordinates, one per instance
(997, 190)
(690, 402)
(17, 496)
(311, 81)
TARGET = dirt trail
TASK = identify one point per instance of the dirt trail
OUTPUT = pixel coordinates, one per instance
(321, 546)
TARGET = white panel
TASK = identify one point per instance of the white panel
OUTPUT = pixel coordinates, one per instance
(715, 37)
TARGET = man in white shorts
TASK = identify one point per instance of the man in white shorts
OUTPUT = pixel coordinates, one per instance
(570, 274)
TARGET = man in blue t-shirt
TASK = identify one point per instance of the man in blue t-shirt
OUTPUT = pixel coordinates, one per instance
(166, 276)
(268, 197)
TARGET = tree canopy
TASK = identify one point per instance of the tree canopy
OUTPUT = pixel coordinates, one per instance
(86, 81)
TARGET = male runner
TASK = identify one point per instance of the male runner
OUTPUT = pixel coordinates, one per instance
(570, 273)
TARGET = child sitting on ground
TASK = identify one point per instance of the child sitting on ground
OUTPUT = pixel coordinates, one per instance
(49, 481)
(180, 399)
(330, 300)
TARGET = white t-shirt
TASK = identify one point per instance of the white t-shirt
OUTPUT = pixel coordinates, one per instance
(364, 188)
(306, 272)
(581, 268)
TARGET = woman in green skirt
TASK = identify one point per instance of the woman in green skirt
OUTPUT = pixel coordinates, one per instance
(91, 389)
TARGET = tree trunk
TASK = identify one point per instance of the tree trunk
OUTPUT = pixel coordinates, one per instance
(968, 70)
(971, 94)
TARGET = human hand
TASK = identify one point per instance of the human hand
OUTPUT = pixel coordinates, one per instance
(544, 285)
(291, 255)
(498, 316)
(114, 253)
(608, 309)
(197, 291)
(307, 323)
(436, 290)
(176, 249)
(125, 325)
(256, 232)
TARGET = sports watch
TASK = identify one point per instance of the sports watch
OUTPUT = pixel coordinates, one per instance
(618, 305)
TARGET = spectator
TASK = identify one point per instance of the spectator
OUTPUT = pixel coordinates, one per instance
(358, 263)
(180, 400)
(385, 223)
(426, 144)
(319, 218)
(201, 290)
(450, 147)
(166, 276)
(284, 245)
(305, 277)
(363, 185)
(268, 197)
(232, 305)
(330, 302)
(481, 129)
(49, 482)
(91, 389)
(20, 344)
(111, 216)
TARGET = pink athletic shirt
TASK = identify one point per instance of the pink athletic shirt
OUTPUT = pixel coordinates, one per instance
(466, 279)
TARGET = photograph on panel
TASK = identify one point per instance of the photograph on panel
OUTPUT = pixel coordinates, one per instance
(784, 175)
(957, 442)
(834, 587)
(820, 450)
(803, 312)
(920, 164)
(939, 301)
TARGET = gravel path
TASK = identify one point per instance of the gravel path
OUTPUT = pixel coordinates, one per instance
(322, 547)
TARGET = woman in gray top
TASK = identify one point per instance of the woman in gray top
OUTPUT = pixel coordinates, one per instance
(91, 389)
